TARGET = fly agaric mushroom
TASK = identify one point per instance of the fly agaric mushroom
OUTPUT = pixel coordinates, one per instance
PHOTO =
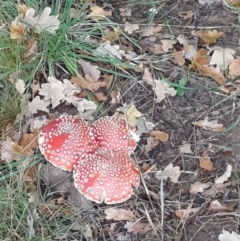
(115, 133)
(65, 141)
(107, 176)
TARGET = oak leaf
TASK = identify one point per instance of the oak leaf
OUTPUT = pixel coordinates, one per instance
(169, 172)
(119, 214)
(210, 36)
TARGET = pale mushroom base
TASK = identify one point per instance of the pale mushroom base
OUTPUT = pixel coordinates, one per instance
(107, 176)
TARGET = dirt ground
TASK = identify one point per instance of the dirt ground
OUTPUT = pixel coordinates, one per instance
(175, 116)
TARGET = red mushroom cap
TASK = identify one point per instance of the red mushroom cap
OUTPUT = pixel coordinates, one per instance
(107, 176)
(65, 141)
(115, 133)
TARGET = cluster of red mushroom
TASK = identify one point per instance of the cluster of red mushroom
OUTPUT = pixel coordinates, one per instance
(98, 155)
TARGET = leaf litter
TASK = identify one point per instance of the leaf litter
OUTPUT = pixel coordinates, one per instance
(214, 62)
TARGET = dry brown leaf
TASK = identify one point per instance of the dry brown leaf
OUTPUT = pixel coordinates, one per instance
(100, 96)
(43, 22)
(185, 148)
(119, 214)
(16, 29)
(32, 49)
(169, 172)
(221, 56)
(147, 76)
(108, 79)
(234, 68)
(201, 59)
(139, 227)
(130, 28)
(125, 12)
(148, 31)
(216, 206)
(178, 58)
(210, 125)
(152, 142)
(185, 213)
(115, 97)
(199, 187)
(20, 86)
(22, 9)
(92, 73)
(85, 84)
(131, 113)
(205, 162)
(162, 89)
(26, 145)
(6, 149)
(29, 176)
(98, 13)
(167, 44)
(225, 176)
(38, 104)
(209, 36)
(160, 135)
(213, 73)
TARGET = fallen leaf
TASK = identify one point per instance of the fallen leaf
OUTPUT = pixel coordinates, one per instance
(225, 175)
(22, 9)
(98, 13)
(210, 125)
(185, 148)
(38, 104)
(185, 213)
(144, 126)
(213, 73)
(20, 86)
(162, 90)
(52, 91)
(199, 187)
(227, 236)
(205, 162)
(152, 142)
(169, 172)
(130, 28)
(209, 36)
(178, 57)
(85, 84)
(147, 76)
(26, 145)
(90, 70)
(108, 79)
(107, 49)
(234, 68)
(100, 96)
(16, 29)
(138, 227)
(160, 135)
(201, 59)
(115, 97)
(221, 57)
(43, 22)
(130, 112)
(167, 44)
(125, 12)
(6, 149)
(148, 31)
(119, 214)
(216, 206)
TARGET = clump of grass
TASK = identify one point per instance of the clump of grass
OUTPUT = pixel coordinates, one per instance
(10, 104)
